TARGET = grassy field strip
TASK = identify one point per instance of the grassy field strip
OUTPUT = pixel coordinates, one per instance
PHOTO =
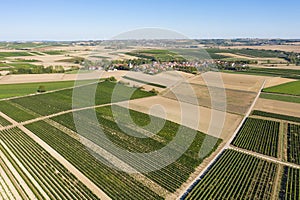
(52, 91)
(273, 119)
(112, 159)
(277, 182)
(63, 161)
(30, 177)
(276, 116)
(23, 188)
(227, 145)
(264, 157)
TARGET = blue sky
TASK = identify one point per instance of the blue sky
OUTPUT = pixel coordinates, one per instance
(99, 19)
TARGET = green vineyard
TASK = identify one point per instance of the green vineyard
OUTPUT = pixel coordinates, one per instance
(4, 122)
(54, 179)
(259, 135)
(26, 108)
(236, 176)
(290, 184)
(293, 148)
(112, 181)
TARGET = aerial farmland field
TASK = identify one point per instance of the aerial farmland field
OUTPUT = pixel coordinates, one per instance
(150, 119)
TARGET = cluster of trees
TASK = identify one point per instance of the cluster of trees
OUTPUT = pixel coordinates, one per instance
(294, 59)
(41, 70)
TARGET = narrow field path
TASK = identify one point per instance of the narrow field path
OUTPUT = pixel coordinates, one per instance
(81, 177)
(227, 145)
(265, 157)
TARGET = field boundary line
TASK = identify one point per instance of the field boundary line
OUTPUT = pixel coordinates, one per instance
(226, 146)
(265, 157)
(51, 91)
(112, 159)
(20, 185)
(81, 177)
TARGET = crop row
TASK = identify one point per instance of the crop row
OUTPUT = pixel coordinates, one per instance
(236, 176)
(116, 184)
(170, 177)
(276, 116)
(4, 122)
(290, 184)
(52, 177)
(293, 148)
(259, 135)
(5, 191)
(50, 103)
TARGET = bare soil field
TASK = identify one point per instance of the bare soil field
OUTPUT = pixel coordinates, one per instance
(165, 78)
(240, 91)
(252, 58)
(277, 66)
(289, 48)
(172, 112)
(31, 78)
(247, 83)
(279, 107)
(236, 101)
(277, 81)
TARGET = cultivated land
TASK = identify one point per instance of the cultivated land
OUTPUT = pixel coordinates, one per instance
(44, 155)
(279, 107)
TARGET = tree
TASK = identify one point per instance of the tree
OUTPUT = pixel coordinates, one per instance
(41, 89)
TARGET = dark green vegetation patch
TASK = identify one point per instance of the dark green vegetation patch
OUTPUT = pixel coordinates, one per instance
(236, 176)
(259, 135)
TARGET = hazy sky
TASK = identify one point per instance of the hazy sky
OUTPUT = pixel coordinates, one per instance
(99, 19)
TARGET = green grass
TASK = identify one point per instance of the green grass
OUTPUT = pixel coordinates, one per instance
(292, 88)
(273, 72)
(54, 52)
(276, 116)
(15, 113)
(236, 175)
(258, 135)
(278, 97)
(25, 61)
(14, 54)
(14, 90)
(50, 103)
(144, 82)
(75, 60)
(157, 55)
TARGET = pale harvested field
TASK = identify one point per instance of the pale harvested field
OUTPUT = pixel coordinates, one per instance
(279, 107)
(289, 48)
(172, 112)
(168, 79)
(277, 81)
(247, 83)
(236, 101)
(252, 58)
(240, 91)
(33, 78)
(277, 66)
